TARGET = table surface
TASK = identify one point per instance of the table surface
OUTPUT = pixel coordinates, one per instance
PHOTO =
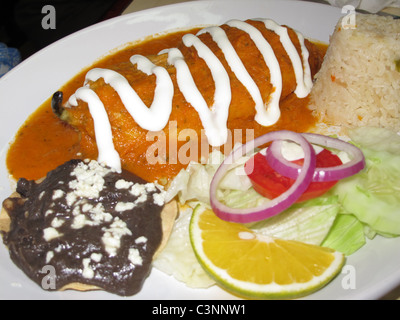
(138, 5)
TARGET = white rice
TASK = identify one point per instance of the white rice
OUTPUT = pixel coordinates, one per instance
(359, 82)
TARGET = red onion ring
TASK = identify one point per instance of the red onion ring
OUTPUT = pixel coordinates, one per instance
(274, 206)
(292, 170)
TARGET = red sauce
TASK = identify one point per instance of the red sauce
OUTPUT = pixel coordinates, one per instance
(45, 142)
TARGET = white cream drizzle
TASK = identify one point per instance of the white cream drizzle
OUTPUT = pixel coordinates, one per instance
(154, 118)
(213, 118)
(306, 65)
(270, 115)
(102, 127)
(303, 86)
(236, 65)
(213, 121)
(222, 95)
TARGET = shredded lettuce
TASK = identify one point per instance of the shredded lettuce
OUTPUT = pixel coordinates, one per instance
(346, 235)
(308, 222)
(193, 184)
(373, 196)
(178, 259)
(376, 139)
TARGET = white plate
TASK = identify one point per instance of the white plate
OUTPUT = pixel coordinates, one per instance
(376, 267)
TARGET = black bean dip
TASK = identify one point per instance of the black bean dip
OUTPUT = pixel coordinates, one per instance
(88, 224)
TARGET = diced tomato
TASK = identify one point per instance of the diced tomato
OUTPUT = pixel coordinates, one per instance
(270, 184)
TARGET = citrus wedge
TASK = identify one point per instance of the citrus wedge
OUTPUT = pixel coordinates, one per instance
(259, 267)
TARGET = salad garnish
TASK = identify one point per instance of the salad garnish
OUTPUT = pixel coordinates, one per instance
(308, 172)
(333, 173)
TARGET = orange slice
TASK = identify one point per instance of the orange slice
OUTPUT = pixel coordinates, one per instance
(255, 266)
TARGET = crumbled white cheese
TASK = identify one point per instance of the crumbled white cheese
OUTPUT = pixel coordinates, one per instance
(99, 215)
(124, 206)
(112, 236)
(51, 233)
(76, 211)
(90, 215)
(89, 179)
(87, 207)
(138, 189)
(41, 195)
(79, 221)
(88, 187)
(87, 271)
(57, 222)
(57, 194)
(71, 198)
(150, 187)
(141, 192)
(141, 199)
(134, 257)
(49, 256)
(123, 184)
(96, 257)
(141, 239)
(159, 198)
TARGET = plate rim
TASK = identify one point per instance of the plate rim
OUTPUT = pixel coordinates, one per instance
(381, 287)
